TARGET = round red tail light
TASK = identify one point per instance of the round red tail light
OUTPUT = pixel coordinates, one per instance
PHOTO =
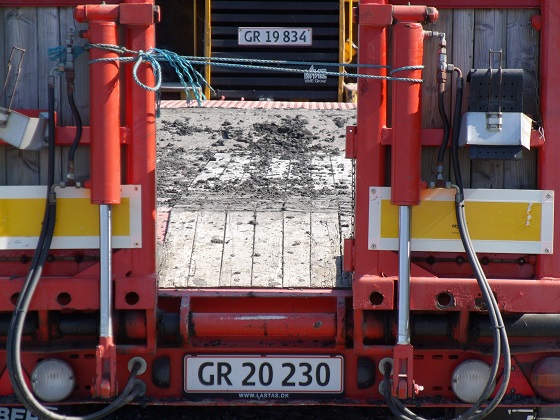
(545, 379)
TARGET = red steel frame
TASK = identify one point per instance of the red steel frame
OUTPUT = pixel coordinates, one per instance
(357, 323)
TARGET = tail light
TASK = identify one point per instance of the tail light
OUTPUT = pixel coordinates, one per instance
(545, 379)
(52, 380)
(469, 380)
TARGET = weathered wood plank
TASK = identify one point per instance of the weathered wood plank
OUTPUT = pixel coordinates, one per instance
(208, 249)
(322, 172)
(342, 171)
(278, 169)
(430, 88)
(522, 53)
(81, 83)
(237, 262)
(81, 94)
(21, 31)
(325, 249)
(177, 249)
(47, 28)
(2, 99)
(3, 56)
(297, 245)
(237, 169)
(490, 34)
(267, 256)
(213, 170)
(462, 53)
(2, 165)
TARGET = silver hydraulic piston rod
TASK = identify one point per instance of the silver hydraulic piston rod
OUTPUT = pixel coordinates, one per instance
(403, 329)
(105, 263)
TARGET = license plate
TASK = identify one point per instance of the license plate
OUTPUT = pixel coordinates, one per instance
(275, 36)
(264, 374)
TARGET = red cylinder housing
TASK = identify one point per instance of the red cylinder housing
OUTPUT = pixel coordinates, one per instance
(407, 117)
(105, 116)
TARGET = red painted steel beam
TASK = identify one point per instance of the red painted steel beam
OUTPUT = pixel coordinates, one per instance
(549, 265)
(65, 135)
(513, 295)
(419, 14)
(139, 18)
(316, 325)
(474, 4)
(371, 118)
(140, 116)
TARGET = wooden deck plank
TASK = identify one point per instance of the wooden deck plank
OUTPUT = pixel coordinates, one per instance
(4, 59)
(208, 249)
(22, 167)
(213, 170)
(177, 249)
(322, 172)
(462, 53)
(297, 245)
(81, 97)
(523, 53)
(430, 89)
(269, 249)
(267, 256)
(236, 170)
(342, 174)
(237, 262)
(490, 34)
(325, 249)
(48, 29)
(278, 168)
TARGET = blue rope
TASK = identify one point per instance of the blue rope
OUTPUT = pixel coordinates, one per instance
(183, 68)
(210, 60)
(59, 53)
(190, 77)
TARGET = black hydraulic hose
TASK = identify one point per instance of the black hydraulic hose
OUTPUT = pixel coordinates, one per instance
(133, 387)
(455, 134)
(499, 333)
(79, 127)
(445, 120)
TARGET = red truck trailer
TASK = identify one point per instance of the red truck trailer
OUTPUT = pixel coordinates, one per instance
(453, 300)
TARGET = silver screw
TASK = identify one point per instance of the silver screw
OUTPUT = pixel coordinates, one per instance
(548, 195)
(373, 246)
(547, 250)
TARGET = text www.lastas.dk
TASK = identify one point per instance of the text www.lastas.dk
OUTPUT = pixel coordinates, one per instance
(259, 396)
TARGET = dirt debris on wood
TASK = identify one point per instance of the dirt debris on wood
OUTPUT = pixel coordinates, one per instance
(253, 158)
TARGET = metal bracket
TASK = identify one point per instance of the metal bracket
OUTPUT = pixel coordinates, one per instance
(403, 383)
(4, 115)
(105, 383)
(494, 118)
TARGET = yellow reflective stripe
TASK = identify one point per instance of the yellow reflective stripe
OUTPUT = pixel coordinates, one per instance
(486, 220)
(20, 217)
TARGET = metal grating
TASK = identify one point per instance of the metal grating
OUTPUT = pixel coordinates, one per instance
(322, 16)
